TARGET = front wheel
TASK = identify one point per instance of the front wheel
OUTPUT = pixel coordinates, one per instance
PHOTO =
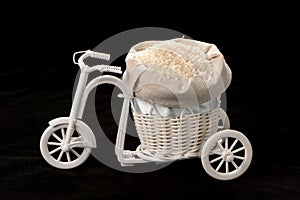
(56, 154)
(226, 155)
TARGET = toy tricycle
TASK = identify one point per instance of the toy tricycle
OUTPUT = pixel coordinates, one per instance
(67, 142)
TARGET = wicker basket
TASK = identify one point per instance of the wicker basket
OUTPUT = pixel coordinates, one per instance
(173, 138)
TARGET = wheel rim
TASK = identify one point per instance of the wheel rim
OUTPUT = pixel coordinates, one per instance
(226, 155)
(59, 155)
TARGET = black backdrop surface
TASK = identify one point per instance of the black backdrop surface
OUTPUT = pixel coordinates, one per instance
(36, 86)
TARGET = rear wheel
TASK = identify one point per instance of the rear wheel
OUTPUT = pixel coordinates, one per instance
(226, 155)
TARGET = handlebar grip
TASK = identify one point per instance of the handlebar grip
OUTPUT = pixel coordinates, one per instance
(103, 56)
(113, 69)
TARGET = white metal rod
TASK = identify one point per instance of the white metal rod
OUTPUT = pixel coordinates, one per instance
(76, 104)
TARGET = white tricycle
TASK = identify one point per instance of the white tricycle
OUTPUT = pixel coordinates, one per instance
(67, 142)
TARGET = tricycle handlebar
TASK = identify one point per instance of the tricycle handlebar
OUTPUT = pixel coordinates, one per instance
(98, 55)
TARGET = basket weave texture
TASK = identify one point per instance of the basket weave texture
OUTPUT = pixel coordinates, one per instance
(177, 137)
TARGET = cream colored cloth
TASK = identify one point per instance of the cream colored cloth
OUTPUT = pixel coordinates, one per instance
(157, 89)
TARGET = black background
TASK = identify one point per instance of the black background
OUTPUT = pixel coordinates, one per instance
(37, 78)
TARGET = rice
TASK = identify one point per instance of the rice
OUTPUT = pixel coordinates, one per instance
(176, 60)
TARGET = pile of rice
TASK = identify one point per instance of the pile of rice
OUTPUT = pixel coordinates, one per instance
(172, 59)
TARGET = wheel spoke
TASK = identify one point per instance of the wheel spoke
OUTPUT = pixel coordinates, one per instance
(234, 164)
(68, 156)
(56, 137)
(216, 159)
(220, 165)
(220, 146)
(239, 157)
(227, 167)
(226, 143)
(233, 144)
(63, 133)
(215, 151)
(75, 153)
(60, 155)
(54, 150)
(238, 150)
(54, 143)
